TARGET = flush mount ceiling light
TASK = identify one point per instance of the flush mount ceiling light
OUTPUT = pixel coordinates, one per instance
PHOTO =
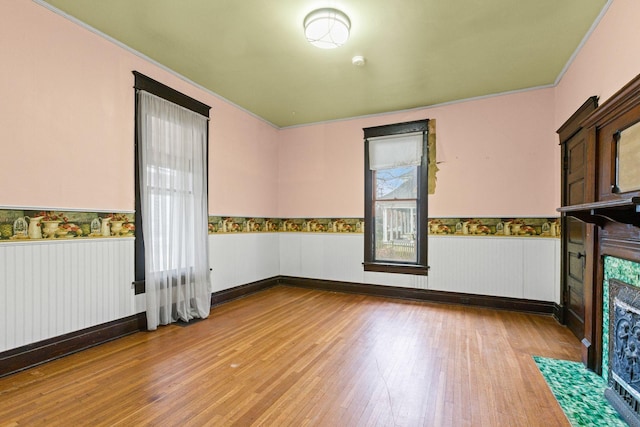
(327, 28)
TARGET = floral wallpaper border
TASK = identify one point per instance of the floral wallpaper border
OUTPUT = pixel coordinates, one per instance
(21, 225)
(227, 224)
(517, 227)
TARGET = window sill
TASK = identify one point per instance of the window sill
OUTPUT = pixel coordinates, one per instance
(138, 287)
(381, 267)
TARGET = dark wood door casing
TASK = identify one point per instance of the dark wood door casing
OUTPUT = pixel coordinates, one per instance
(577, 237)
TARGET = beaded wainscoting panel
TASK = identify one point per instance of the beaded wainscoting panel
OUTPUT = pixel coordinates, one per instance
(56, 286)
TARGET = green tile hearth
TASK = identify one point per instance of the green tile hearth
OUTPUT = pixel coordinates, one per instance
(579, 392)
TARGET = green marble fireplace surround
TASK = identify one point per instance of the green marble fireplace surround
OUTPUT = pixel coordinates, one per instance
(624, 271)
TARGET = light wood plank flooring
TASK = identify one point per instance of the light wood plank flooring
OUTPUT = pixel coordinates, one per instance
(295, 357)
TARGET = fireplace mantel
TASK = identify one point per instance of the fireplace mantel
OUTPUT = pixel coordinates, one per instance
(623, 211)
(600, 201)
(601, 182)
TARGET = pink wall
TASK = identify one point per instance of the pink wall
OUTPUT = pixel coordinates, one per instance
(66, 123)
(66, 131)
(609, 59)
(496, 154)
(500, 155)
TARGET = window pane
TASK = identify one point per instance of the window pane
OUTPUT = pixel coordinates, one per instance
(395, 232)
(397, 183)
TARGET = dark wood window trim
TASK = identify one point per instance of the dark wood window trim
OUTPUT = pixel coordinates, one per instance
(156, 88)
(370, 263)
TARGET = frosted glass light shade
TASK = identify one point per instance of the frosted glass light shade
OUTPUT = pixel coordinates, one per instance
(327, 28)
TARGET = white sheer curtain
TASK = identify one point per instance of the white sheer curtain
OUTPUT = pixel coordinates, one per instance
(173, 188)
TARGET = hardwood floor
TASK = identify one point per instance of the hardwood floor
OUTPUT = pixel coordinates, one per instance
(293, 357)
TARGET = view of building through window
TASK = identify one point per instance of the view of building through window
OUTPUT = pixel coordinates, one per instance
(395, 203)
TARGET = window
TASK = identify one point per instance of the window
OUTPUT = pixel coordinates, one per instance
(171, 203)
(144, 83)
(396, 182)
